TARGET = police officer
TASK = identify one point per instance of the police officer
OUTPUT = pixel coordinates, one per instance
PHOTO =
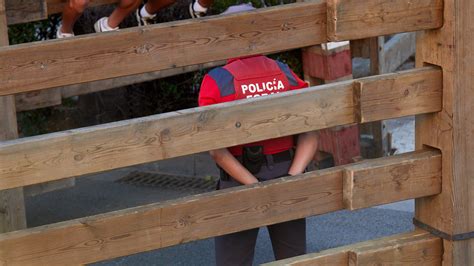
(248, 77)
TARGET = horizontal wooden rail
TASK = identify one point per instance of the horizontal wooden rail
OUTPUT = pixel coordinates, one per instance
(418, 174)
(21, 11)
(161, 225)
(351, 20)
(54, 63)
(56, 6)
(51, 97)
(93, 149)
(162, 46)
(413, 248)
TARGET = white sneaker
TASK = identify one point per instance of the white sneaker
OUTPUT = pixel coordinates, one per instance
(195, 14)
(62, 35)
(102, 25)
(144, 20)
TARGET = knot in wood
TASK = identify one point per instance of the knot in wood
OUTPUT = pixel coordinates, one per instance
(78, 157)
(165, 135)
(143, 49)
(184, 221)
(285, 27)
(94, 242)
(204, 117)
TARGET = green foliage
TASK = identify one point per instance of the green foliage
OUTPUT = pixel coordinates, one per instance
(34, 31)
(34, 122)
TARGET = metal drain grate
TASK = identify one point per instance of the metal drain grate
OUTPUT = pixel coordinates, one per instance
(168, 181)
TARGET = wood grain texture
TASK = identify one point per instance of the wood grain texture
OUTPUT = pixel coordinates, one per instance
(412, 247)
(51, 97)
(21, 11)
(162, 46)
(425, 250)
(109, 146)
(154, 226)
(349, 19)
(360, 48)
(386, 180)
(100, 148)
(12, 205)
(161, 225)
(332, 257)
(391, 97)
(37, 99)
(56, 6)
(451, 130)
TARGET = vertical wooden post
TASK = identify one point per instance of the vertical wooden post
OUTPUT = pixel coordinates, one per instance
(12, 206)
(451, 130)
(382, 145)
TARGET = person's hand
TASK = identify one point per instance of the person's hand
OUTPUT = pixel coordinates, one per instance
(250, 181)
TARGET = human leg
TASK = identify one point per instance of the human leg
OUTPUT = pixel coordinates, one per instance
(124, 8)
(236, 249)
(153, 6)
(288, 238)
(111, 23)
(147, 12)
(71, 12)
(198, 8)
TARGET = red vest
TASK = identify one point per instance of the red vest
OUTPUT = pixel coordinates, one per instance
(254, 77)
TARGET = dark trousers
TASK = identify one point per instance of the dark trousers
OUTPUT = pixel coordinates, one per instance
(288, 238)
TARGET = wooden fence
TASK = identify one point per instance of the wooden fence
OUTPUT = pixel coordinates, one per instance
(438, 92)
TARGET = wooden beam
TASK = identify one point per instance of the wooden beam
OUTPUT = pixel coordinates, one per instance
(349, 19)
(138, 50)
(51, 97)
(378, 146)
(386, 98)
(100, 85)
(159, 225)
(360, 48)
(37, 99)
(369, 184)
(99, 148)
(12, 205)
(451, 130)
(109, 146)
(426, 250)
(162, 46)
(56, 6)
(412, 248)
(397, 51)
(21, 11)
(175, 222)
